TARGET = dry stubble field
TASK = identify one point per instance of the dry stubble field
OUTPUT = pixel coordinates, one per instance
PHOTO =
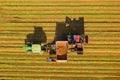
(101, 58)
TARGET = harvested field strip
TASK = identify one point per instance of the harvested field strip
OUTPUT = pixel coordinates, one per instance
(59, 70)
(57, 78)
(40, 57)
(13, 20)
(61, 18)
(37, 61)
(59, 75)
(62, 65)
(59, 12)
(52, 8)
(62, 3)
(54, 24)
(43, 59)
(64, 14)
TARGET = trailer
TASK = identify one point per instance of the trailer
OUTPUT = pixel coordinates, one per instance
(61, 51)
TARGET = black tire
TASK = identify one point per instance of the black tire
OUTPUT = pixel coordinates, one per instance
(79, 50)
(86, 39)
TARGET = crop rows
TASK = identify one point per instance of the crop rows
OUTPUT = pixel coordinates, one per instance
(101, 57)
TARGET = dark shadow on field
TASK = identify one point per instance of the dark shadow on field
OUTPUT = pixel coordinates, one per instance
(37, 37)
(73, 27)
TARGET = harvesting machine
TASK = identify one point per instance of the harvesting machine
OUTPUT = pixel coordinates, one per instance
(69, 37)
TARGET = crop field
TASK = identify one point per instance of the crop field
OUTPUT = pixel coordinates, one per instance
(101, 58)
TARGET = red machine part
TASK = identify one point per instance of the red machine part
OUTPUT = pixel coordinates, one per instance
(77, 38)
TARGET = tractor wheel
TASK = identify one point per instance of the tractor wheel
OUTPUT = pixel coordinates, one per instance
(86, 39)
(79, 50)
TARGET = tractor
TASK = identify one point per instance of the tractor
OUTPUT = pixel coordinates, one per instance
(69, 37)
